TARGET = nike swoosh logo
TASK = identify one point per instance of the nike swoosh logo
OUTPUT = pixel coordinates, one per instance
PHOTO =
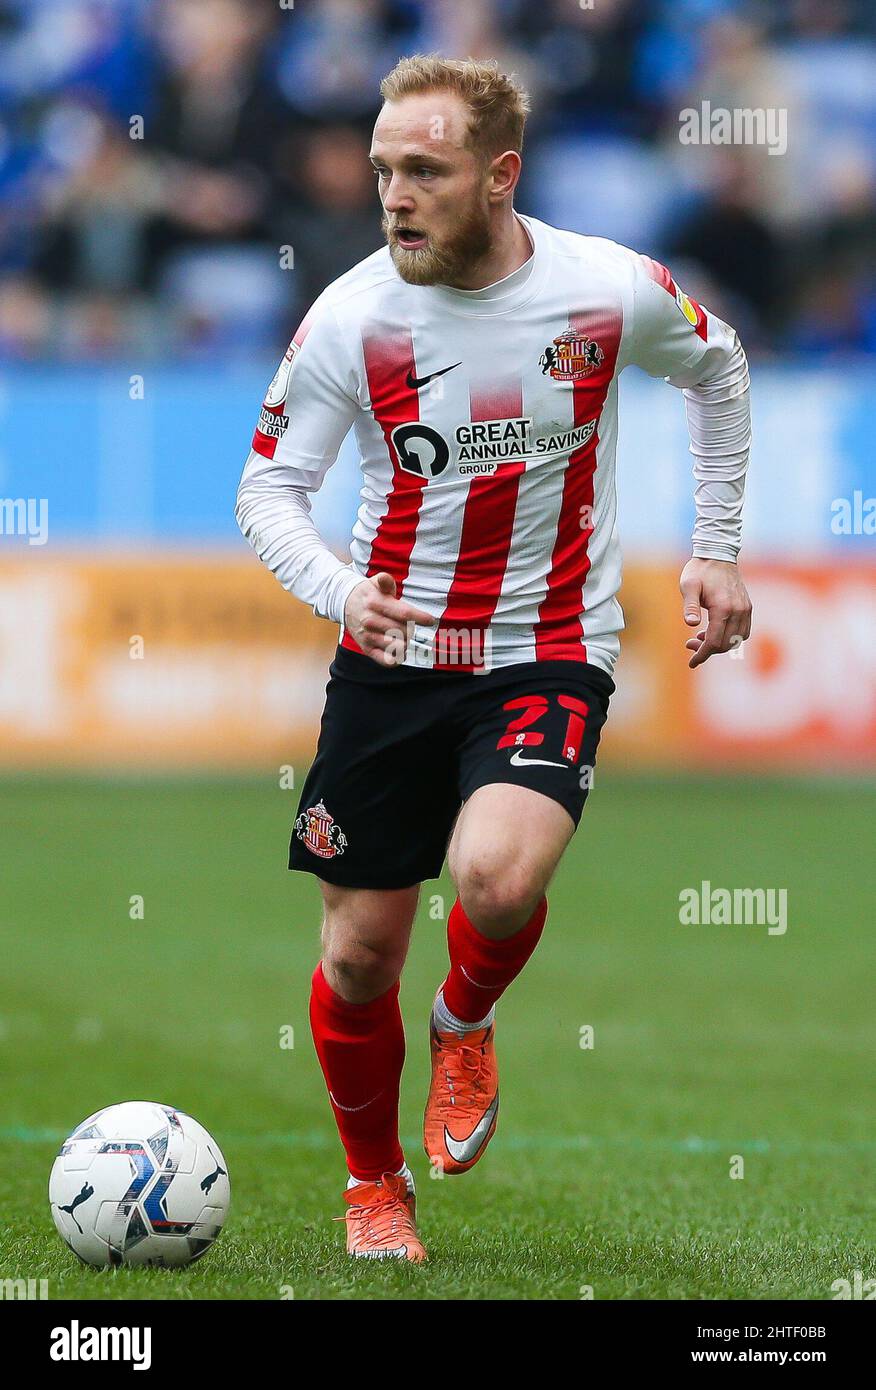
(350, 1109)
(534, 762)
(398, 1254)
(464, 1150)
(415, 382)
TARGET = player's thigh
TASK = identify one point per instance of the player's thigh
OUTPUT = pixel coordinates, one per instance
(525, 769)
(365, 938)
(380, 798)
(505, 847)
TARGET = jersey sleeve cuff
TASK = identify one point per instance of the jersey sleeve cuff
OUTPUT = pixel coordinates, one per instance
(343, 584)
(714, 550)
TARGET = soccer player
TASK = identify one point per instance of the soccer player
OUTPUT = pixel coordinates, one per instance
(477, 357)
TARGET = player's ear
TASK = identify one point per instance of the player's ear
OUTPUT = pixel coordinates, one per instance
(504, 173)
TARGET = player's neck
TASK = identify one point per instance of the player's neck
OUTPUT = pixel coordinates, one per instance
(511, 248)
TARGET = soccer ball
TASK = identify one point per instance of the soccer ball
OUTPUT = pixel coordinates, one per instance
(139, 1184)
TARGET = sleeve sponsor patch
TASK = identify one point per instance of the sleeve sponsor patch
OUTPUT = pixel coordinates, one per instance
(692, 311)
(279, 387)
(695, 315)
(273, 421)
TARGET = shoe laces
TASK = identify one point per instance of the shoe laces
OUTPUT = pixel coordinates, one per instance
(380, 1212)
(465, 1070)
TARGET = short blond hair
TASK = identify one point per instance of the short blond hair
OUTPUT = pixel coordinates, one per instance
(497, 102)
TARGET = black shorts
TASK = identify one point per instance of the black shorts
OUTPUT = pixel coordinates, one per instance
(401, 748)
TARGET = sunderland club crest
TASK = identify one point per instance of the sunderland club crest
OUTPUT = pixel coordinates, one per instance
(316, 828)
(571, 356)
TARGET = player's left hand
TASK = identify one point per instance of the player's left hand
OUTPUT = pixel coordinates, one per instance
(717, 587)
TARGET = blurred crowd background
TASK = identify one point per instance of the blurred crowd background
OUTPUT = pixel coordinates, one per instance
(161, 234)
(179, 179)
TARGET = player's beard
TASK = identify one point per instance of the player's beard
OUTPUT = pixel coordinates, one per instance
(443, 262)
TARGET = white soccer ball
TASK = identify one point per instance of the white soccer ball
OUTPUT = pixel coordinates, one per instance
(139, 1184)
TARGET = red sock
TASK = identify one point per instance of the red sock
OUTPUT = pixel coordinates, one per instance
(361, 1049)
(481, 969)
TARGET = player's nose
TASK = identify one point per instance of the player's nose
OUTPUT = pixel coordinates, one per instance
(397, 197)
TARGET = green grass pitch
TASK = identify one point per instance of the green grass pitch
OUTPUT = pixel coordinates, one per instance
(610, 1169)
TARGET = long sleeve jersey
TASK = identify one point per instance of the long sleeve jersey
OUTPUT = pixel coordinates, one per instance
(486, 422)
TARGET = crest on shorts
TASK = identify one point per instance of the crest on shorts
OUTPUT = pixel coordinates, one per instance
(571, 356)
(317, 830)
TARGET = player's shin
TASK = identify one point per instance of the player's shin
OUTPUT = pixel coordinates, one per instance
(463, 1102)
(361, 1049)
(482, 968)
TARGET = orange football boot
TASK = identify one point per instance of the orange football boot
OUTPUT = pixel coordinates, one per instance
(463, 1102)
(380, 1221)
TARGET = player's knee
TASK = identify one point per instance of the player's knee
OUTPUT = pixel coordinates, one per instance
(357, 971)
(498, 893)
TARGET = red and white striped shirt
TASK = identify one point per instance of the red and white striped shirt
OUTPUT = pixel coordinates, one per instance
(486, 421)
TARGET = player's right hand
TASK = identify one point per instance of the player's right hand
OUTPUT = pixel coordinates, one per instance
(379, 622)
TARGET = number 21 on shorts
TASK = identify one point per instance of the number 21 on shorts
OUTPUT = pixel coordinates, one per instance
(519, 732)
